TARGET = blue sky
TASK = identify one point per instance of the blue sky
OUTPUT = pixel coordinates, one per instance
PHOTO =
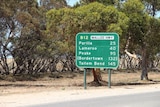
(158, 14)
(72, 2)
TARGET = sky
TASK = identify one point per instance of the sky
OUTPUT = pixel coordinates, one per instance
(72, 2)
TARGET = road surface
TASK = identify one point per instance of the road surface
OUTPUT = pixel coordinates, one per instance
(149, 99)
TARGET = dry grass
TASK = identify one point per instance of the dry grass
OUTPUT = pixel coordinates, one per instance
(64, 81)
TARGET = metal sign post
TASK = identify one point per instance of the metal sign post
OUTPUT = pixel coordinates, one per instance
(85, 86)
(109, 78)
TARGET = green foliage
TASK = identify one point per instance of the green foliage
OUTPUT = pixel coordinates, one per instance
(141, 30)
(134, 9)
(20, 20)
(95, 17)
(105, 2)
(140, 24)
(133, 6)
(153, 37)
(50, 4)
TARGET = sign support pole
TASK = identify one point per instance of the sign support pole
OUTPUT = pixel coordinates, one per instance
(85, 87)
(109, 78)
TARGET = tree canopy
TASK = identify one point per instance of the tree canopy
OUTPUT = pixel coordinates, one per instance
(32, 32)
(94, 17)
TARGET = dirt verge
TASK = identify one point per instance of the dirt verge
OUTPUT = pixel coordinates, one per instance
(68, 81)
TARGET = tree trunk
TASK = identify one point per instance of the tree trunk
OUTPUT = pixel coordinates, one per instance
(144, 74)
(97, 75)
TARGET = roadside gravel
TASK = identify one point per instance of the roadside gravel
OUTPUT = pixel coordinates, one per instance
(51, 96)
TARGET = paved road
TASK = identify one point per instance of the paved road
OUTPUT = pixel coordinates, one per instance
(151, 99)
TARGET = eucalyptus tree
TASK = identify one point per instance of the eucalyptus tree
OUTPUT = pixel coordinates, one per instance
(21, 33)
(7, 27)
(53, 4)
(29, 47)
(105, 2)
(64, 24)
(140, 30)
(31, 50)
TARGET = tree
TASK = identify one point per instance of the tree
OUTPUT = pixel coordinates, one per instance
(26, 44)
(103, 19)
(140, 31)
(105, 2)
(7, 27)
(94, 17)
(21, 34)
(53, 4)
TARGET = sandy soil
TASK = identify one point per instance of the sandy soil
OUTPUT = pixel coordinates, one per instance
(70, 86)
(74, 81)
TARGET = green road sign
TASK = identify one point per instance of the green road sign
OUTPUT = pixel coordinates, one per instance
(97, 50)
